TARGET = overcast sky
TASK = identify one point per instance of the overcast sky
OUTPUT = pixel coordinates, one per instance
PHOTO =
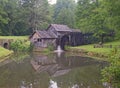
(52, 1)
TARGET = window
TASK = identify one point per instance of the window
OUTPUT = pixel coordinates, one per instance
(39, 40)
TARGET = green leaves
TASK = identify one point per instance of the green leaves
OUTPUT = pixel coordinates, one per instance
(3, 15)
(111, 74)
(113, 14)
(86, 16)
(19, 46)
(98, 15)
(4, 20)
(21, 17)
(65, 12)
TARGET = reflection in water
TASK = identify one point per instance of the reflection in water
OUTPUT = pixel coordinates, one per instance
(75, 86)
(65, 71)
(53, 84)
(49, 65)
(24, 85)
(59, 51)
(107, 85)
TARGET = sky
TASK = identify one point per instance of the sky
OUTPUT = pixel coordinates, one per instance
(53, 1)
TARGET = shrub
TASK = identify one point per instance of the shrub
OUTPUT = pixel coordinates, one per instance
(20, 46)
(111, 74)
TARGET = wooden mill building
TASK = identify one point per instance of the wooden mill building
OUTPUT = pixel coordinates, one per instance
(57, 34)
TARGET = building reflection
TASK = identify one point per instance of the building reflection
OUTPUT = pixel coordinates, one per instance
(65, 71)
(56, 65)
(49, 64)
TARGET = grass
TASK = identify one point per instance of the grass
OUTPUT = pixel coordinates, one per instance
(4, 52)
(90, 48)
(14, 37)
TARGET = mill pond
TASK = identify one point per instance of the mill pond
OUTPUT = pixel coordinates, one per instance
(51, 71)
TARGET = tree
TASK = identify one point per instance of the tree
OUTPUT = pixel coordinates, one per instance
(87, 16)
(21, 17)
(65, 12)
(112, 12)
(3, 15)
(11, 10)
(37, 13)
(91, 17)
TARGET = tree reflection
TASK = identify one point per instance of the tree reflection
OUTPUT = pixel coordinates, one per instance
(36, 71)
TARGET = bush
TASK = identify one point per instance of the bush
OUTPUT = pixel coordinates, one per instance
(111, 74)
(19, 45)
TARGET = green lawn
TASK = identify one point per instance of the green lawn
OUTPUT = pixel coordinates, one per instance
(4, 52)
(14, 37)
(90, 48)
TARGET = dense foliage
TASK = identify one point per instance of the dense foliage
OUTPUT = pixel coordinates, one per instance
(20, 46)
(64, 12)
(98, 16)
(111, 74)
(21, 17)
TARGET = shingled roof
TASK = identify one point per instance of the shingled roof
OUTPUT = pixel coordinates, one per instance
(60, 27)
(57, 27)
(45, 34)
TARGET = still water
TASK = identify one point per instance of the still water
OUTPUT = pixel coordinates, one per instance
(50, 71)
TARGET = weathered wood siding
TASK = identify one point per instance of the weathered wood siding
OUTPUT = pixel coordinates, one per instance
(76, 38)
(42, 42)
(34, 38)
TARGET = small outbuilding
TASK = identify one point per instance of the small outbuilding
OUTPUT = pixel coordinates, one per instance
(57, 34)
(43, 39)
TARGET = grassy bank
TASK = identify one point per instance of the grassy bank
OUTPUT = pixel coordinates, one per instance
(97, 52)
(14, 37)
(4, 53)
